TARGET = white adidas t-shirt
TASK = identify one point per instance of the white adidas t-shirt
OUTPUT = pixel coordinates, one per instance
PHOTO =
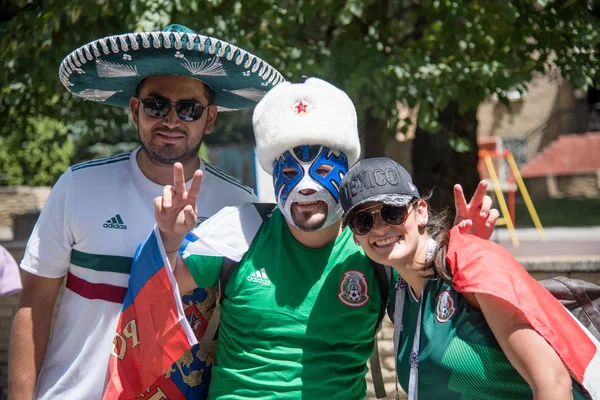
(96, 216)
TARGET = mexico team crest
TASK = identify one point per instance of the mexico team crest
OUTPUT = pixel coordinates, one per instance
(445, 307)
(354, 290)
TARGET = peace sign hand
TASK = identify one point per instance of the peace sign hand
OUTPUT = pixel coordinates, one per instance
(175, 211)
(476, 218)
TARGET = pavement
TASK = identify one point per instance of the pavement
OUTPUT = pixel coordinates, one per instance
(566, 243)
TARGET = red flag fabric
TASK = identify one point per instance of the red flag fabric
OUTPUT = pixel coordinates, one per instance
(155, 349)
(482, 266)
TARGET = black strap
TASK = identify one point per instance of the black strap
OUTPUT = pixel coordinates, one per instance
(227, 268)
(383, 274)
(264, 209)
(376, 374)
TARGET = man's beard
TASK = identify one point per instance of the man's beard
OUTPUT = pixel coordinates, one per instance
(307, 223)
(163, 156)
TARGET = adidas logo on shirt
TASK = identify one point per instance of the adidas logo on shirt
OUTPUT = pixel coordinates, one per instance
(115, 223)
(260, 276)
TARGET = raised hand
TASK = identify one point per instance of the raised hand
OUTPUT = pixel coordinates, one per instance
(477, 217)
(175, 211)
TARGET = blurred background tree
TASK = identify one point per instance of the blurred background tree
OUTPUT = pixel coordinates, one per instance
(444, 56)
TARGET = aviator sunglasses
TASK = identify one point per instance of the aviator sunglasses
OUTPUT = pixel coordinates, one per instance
(187, 110)
(361, 222)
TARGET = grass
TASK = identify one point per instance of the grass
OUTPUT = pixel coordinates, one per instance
(566, 212)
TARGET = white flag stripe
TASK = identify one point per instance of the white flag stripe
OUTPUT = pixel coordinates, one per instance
(591, 376)
(191, 336)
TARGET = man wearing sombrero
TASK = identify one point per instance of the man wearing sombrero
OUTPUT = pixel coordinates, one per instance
(174, 82)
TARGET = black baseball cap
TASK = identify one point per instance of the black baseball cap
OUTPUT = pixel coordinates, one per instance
(378, 179)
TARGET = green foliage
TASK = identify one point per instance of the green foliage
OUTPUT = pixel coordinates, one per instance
(431, 53)
(41, 121)
(36, 155)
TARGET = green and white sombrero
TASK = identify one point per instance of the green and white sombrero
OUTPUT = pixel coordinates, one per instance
(108, 70)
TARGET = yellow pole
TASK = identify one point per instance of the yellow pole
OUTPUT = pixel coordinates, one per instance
(503, 207)
(525, 193)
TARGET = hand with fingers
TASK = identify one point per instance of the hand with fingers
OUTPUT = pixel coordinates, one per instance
(175, 211)
(477, 217)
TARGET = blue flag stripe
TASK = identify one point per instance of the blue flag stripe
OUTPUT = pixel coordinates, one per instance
(146, 262)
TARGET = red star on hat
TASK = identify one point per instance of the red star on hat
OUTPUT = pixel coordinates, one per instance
(301, 107)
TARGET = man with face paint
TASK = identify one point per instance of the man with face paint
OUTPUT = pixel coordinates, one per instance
(306, 185)
(300, 310)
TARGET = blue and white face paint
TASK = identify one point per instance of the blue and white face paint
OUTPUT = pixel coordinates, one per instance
(305, 162)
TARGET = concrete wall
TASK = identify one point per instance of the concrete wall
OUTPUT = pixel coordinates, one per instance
(7, 308)
(550, 103)
(8, 305)
(15, 200)
(582, 185)
(585, 185)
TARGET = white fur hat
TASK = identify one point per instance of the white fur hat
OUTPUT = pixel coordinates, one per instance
(311, 113)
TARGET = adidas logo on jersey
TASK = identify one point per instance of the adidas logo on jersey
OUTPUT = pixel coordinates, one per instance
(260, 276)
(115, 223)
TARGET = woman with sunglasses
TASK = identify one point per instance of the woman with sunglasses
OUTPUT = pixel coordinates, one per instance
(470, 323)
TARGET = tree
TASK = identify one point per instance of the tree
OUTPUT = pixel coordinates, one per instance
(41, 121)
(44, 152)
(446, 56)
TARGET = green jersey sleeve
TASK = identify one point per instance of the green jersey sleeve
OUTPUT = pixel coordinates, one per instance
(204, 269)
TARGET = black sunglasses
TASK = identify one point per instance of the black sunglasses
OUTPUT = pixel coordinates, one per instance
(187, 110)
(361, 222)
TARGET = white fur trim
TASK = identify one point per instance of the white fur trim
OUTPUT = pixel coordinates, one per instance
(331, 121)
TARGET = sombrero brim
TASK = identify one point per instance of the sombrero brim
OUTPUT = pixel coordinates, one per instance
(108, 70)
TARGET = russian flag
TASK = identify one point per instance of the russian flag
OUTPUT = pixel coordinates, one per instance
(481, 266)
(155, 348)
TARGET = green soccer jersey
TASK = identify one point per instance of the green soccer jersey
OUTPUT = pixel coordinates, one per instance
(459, 357)
(296, 322)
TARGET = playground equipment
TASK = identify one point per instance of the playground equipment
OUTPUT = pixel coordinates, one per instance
(508, 212)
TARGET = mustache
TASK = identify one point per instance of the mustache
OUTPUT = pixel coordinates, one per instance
(168, 130)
